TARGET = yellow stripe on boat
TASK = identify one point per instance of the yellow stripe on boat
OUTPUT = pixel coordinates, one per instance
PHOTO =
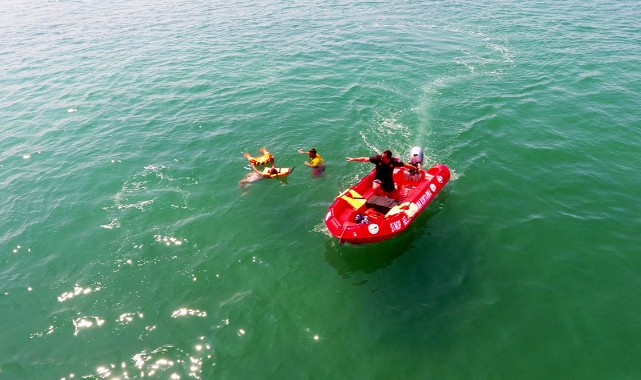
(355, 199)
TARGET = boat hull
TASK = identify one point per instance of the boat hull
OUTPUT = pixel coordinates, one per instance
(359, 216)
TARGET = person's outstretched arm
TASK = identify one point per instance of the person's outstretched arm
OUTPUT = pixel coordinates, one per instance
(358, 159)
(410, 166)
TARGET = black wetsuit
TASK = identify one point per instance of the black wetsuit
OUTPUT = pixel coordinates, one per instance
(384, 171)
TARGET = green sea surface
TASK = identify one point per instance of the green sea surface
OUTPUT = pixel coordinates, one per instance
(128, 249)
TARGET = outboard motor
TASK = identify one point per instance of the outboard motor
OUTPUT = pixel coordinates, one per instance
(416, 156)
(416, 159)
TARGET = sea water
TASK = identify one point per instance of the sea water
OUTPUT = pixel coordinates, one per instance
(128, 249)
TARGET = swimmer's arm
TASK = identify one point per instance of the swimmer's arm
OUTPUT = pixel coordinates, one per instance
(410, 166)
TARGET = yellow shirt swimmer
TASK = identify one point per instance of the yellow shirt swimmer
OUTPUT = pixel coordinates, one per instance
(316, 162)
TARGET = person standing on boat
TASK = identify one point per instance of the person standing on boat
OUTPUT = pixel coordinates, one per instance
(385, 164)
(316, 162)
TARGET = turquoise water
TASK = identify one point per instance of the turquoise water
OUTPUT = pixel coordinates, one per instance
(128, 250)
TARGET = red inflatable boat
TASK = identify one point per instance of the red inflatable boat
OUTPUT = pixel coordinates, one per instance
(359, 216)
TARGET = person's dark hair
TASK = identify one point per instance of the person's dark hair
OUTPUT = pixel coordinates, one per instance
(313, 151)
(388, 153)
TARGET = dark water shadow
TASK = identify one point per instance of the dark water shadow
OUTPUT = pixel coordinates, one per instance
(413, 288)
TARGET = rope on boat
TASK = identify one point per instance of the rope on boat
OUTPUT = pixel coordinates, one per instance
(340, 239)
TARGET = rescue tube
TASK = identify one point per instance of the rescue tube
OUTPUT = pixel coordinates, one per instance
(265, 159)
(279, 172)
